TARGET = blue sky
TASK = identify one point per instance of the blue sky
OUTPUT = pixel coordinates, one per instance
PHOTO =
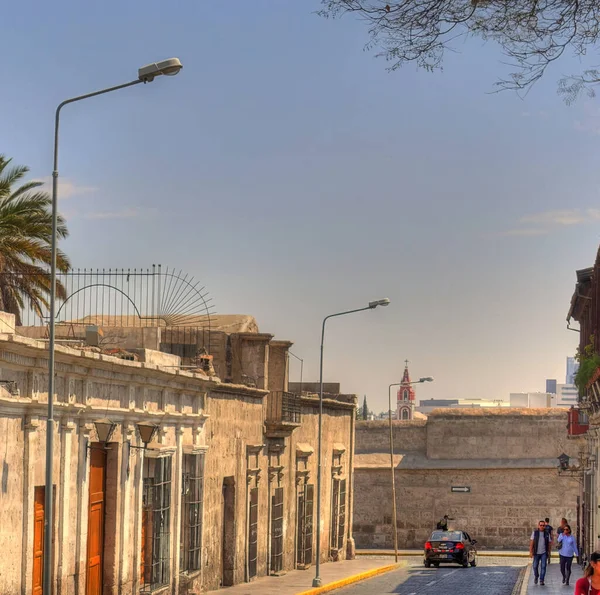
(292, 174)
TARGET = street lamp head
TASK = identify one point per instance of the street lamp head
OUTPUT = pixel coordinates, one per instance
(426, 379)
(168, 67)
(381, 302)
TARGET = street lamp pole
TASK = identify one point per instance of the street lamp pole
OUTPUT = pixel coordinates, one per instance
(146, 74)
(371, 306)
(392, 468)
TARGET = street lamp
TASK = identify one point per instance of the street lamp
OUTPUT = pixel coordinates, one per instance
(146, 74)
(371, 306)
(394, 509)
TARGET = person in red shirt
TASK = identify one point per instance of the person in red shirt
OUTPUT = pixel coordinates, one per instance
(590, 583)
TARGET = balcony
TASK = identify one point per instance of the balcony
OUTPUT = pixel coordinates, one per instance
(284, 414)
(578, 423)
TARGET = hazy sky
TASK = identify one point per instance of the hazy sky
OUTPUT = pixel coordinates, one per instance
(293, 175)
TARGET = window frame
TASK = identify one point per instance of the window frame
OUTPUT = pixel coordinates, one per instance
(192, 512)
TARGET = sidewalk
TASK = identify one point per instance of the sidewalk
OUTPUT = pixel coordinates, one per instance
(297, 582)
(553, 580)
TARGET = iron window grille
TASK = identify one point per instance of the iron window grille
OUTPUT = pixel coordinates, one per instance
(304, 534)
(156, 524)
(338, 515)
(192, 497)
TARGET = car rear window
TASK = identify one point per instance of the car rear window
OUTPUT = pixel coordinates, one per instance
(446, 536)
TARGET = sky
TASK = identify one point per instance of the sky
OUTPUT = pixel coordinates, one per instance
(292, 174)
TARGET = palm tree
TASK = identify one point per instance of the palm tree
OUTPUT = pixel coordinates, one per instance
(25, 243)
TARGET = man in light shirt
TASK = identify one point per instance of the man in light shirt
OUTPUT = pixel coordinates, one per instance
(539, 549)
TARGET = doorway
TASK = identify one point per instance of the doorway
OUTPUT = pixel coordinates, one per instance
(38, 539)
(96, 513)
(228, 535)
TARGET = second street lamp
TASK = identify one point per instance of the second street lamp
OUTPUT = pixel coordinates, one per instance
(146, 74)
(392, 468)
(371, 306)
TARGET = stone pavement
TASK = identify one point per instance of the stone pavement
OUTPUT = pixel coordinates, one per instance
(299, 581)
(554, 580)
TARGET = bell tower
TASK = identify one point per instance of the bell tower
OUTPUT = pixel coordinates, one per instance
(405, 406)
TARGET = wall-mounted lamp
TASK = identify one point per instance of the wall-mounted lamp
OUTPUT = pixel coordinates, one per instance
(563, 462)
(105, 428)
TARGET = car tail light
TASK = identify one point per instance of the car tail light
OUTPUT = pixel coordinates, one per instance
(428, 545)
(460, 546)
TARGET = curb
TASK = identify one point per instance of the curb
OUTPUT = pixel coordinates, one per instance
(349, 580)
(525, 582)
(404, 553)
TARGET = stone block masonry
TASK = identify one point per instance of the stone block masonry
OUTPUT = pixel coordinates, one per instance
(507, 460)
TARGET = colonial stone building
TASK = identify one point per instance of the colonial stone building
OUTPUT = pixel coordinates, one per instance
(494, 471)
(584, 420)
(223, 492)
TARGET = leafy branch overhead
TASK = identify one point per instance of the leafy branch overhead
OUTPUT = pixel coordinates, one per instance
(532, 33)
(25, 240)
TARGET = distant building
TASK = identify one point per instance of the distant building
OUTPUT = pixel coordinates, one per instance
(551, 386)
(427, 406)
(572, 367)
(532, 400)
(567, 395)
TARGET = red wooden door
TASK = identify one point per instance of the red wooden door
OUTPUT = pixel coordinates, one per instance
(38, 539)
(95, 550)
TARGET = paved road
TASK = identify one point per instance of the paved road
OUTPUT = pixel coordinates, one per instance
(493, 576)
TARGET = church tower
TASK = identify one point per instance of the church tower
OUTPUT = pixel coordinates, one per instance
(405, 407)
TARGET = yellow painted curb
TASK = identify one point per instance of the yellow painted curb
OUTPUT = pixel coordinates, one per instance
(349, 580)
(525, 582)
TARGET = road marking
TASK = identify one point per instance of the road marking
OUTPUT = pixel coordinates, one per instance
(442, 578)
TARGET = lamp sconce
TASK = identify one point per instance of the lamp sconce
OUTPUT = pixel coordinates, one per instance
(105, 428)
(563, 462)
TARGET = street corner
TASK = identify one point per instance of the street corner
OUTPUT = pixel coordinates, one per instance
(355, 578)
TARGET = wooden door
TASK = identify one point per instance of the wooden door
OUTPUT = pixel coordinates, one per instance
(95, 550)
(38, 539)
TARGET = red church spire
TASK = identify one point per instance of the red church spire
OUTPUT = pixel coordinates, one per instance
(406, 396)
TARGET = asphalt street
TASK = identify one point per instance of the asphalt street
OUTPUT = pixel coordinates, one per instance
(492, 576)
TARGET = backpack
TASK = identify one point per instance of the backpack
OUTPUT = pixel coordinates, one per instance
(439, 525)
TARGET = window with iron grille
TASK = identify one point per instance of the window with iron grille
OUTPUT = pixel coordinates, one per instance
(156, 524)
(338, 514)
(192, 493)
(304, 532)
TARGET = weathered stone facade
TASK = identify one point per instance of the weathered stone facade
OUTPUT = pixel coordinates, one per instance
(212, 441)
(507, 459)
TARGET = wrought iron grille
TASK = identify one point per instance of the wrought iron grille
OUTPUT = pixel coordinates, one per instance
(192, 505)
(304, 530)
(118, 298)
(277, 530)
(122, 297)
(156, 520)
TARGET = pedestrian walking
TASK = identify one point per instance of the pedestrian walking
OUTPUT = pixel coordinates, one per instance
(561, 527)
(590, 583)
(567, 548)
(550, 530)
(443, 523)
(539, 549)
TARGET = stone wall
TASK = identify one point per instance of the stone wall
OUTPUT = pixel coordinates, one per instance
(506, 458)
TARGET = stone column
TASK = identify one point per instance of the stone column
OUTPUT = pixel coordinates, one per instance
(83, 496)
(64, 534)
(127, 514)
(176, 500)
(29, 447)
